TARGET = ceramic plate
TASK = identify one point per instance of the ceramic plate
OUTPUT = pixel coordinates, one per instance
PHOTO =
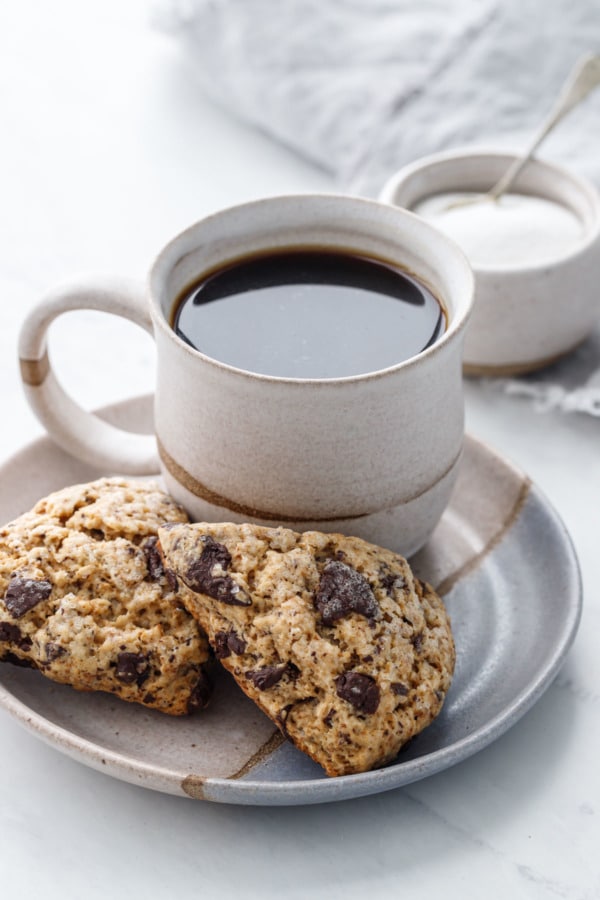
(500, 557)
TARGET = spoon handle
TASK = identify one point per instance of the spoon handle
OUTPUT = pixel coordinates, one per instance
(583, 78)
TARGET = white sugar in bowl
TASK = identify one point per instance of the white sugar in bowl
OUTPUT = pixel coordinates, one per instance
(535, 253)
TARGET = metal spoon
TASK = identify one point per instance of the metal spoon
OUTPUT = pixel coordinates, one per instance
(582, 79)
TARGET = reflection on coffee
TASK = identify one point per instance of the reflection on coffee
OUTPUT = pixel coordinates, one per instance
(309, 314)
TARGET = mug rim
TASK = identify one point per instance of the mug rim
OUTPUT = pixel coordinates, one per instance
(424, 165)
(169, 256)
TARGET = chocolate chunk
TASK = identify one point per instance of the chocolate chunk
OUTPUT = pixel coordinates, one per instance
(343, 590)
(10, 632)
(328, 720)
(23, 594)
(268, 676)
(361, 691)
(228, 642)
(154, 562)
(54, 651)
(214, 553)
(401, 690)
(389, 581)
(132, 667)
(221, 648)
(417, 641)
(207, 575)
(236, 644)
(17, 661)
(172, 580)
(201, 693)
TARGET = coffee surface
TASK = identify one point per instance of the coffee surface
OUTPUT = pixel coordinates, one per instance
(309, 314)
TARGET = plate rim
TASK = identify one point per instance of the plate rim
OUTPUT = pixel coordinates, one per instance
(249, 791)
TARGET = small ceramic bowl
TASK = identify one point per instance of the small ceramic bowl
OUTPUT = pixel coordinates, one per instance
(526, 315)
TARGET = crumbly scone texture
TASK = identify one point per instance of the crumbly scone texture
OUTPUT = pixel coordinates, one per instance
(334, 638)
(86, 600)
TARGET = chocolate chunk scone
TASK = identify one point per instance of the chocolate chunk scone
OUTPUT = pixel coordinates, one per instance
(334, 638)
(84, 597)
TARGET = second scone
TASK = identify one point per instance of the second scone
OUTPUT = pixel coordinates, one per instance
(85, 600)
(334, 638)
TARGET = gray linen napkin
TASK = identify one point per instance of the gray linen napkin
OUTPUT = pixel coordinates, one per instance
(362, 87)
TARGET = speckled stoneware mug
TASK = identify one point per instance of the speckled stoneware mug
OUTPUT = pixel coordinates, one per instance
(374, 454)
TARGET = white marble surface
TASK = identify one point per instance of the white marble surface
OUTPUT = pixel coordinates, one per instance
(106, 150)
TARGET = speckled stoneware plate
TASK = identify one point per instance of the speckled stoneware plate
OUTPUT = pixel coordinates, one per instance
(500, 557)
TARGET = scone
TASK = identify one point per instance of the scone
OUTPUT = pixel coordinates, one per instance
(86, 600)
(332, 637)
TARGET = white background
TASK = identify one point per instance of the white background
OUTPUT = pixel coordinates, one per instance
(107, 149)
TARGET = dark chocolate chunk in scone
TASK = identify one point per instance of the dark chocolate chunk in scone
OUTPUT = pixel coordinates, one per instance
(337, 641)
(23, 593)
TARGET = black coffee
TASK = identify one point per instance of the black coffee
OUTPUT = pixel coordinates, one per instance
(309, 314)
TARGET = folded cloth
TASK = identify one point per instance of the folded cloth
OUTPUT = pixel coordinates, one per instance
(571, 385)
(362, 87)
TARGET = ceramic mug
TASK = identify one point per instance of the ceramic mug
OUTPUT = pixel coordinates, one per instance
(374, 455)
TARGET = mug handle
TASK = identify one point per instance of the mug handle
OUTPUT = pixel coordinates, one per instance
(77, 431)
